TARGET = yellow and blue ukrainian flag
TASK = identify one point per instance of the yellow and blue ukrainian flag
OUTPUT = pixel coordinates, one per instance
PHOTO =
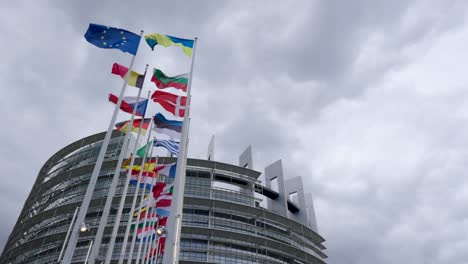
(165, 40)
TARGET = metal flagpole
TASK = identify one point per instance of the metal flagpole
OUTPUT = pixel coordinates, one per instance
(156, 244)
(142, 197)
(94, 176)
(171, 252)
(112, 189)
(130, 216)
(151, 245)
(89, 252)
(68, 233)
(135, 195)
(124, 193)
(149, 241)
(146, 215)
(142, 247)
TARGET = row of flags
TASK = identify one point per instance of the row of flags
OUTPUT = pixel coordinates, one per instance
(115, 38)
(126, 41)
(155, 208)
(161, 80)
(149, 221)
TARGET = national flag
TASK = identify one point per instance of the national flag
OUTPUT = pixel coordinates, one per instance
(148, 166)
(169, 170)
(141, 224)
(127, 161)
(168, 127)
(135, 79)
(167, 132)
(144, 150)
(151, 220)
(140, 211)
(146, 181)
(163, 211)
(164, 201)
(159, 250)
(135, 173)
(123, 126)
(162, 194)
(162, 221)
(112, 38)
(129, 102)
(173, 103)
(170, 145)
(163, 81)
(150, 216)
(162, 244)
(148, 201)
(165, 40)
(159, 187)
(146, 233)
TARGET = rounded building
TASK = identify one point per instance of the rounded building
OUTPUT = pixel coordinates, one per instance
(225, 219)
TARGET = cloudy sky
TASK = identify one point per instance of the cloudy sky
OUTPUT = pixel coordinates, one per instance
(367, 100)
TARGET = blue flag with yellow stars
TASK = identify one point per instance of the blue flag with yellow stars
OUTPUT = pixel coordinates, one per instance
(112, 38)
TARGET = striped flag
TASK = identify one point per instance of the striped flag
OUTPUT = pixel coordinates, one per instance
(145, 181)
(135, 79)
(123, 126)
(162, 125)
(163, 81)
(168, 169)
(147, 167)
(170, 145)
(151, 220)
(130, 102)
(162, 193)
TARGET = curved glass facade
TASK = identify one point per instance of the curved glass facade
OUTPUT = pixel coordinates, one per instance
(222, 218)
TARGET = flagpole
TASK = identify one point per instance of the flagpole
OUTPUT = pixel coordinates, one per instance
(124, 192)
(146, 215)
(112, 189)
(142, 196)
(149, 241)
(153, 213)
(152, 244)
(130, 216)
(94, 176)
(68, 233)
(174, 222)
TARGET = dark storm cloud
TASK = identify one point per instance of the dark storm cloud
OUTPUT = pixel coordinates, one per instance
(354, 96)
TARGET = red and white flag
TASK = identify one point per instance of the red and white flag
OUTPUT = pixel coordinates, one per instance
(173, 103)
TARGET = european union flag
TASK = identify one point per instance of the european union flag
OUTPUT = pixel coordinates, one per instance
(112, 38)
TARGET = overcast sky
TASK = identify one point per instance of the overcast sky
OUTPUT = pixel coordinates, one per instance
(367, 100)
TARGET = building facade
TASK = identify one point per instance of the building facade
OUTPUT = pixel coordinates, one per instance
(224, 220)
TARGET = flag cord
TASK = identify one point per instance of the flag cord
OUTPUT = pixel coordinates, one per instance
(67, 258)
